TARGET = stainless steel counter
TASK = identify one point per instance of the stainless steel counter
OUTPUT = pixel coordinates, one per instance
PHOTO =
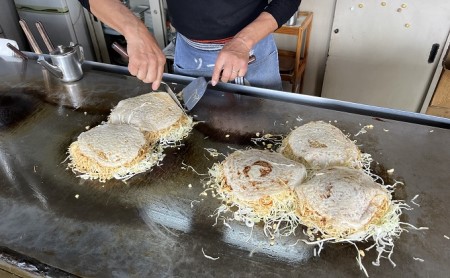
(155, 224)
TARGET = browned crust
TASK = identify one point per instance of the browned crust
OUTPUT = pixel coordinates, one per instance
(262, 206)
(312, 218)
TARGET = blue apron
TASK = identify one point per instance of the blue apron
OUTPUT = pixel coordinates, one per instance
(264, 72)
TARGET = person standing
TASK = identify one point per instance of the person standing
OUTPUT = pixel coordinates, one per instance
(215, 38)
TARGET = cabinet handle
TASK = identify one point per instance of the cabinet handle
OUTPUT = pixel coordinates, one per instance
(433, 53)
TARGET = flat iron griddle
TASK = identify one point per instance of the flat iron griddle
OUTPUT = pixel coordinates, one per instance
(156, 225)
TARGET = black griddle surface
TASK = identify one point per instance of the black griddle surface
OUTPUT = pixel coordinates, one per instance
(155, 225)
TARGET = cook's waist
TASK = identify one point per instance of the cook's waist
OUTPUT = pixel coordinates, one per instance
(209, 45)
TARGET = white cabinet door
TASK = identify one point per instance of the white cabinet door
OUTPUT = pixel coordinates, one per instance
(384, 53)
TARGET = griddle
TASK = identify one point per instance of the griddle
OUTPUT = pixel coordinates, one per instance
(158, 224)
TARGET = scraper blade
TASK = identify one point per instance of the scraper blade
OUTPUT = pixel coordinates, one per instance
(193, 92)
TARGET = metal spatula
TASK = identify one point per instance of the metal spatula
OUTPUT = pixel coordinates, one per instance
(195, 90)
(119, 49)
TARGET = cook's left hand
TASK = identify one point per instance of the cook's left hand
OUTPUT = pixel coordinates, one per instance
(232, 61)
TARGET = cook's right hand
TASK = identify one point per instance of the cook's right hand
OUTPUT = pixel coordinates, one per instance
(146, 60)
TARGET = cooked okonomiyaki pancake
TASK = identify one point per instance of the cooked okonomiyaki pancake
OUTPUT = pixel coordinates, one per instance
(259, 186)
(340, 201)
(155, 114)
(112, 151)
(253, 174)
(319, 145)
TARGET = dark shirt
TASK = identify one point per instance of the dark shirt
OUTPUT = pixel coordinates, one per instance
(85, 4)
(220, 19)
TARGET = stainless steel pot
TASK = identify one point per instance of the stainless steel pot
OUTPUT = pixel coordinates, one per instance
(67, 62)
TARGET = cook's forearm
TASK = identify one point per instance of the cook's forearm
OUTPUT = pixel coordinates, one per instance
(146, 60)
(117, 16)
(262, 26)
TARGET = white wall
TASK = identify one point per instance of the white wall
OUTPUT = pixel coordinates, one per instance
(323, 13)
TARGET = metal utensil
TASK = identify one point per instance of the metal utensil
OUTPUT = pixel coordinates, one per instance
(195, 90)
(119, 49)
(17, 51)
(30, 37)
(44, 35)
(67, 62)
(36, 49)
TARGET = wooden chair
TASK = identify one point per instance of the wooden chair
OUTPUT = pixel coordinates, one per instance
(293, 63)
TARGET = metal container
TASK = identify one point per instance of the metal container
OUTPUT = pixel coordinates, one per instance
(67, 61)
(293, 20)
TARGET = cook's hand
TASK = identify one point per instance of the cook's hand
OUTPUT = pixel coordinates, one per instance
(232, 61)
(146, 60)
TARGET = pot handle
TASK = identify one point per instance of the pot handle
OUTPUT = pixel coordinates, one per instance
(80, 51)
(80, 54)
(51, 68)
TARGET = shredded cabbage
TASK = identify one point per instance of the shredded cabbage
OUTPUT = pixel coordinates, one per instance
(277, 212)
(383, 232)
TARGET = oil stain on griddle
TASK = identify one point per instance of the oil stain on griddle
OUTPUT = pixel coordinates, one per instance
(15, 107)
